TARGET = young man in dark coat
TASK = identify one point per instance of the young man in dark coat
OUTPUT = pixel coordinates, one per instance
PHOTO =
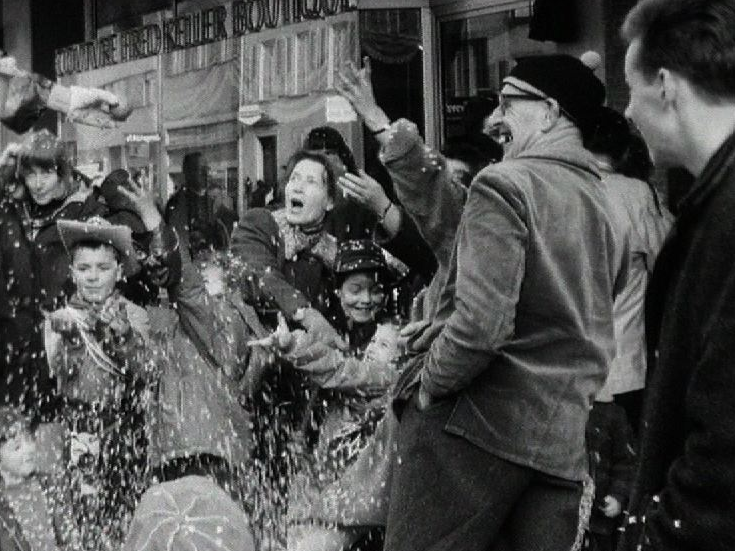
(680, 66)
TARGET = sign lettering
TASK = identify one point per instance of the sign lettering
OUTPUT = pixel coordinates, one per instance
(193, 29)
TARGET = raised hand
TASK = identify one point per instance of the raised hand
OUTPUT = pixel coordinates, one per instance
(356, 86)
(365, 190)
(318, 328)
(96, 98)
(10, 154)
(96, 107)
(144, 203)
(612, 507)
(66, 322)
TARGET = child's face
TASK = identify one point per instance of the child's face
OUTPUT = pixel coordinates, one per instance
(43, 185)
(95, 272)
(361, 296)
(18, 453)
(384, 346)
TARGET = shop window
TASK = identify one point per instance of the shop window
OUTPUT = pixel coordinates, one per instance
(274, 59)
(116, 157)
(232, 183)
(149, 90)
(198, 57)
(269, 159)
(476, 54)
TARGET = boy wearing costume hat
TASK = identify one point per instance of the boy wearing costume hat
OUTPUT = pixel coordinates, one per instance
(38, 187)
(495, 398)
(95, 347)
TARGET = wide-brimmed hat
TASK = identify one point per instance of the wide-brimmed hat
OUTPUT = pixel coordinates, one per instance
(189, 513)
(99, 230)
(569, 80)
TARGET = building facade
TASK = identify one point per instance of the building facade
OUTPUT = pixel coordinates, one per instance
(243, 82)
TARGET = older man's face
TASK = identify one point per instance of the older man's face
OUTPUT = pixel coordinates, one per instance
(517, 120)
(650, 112)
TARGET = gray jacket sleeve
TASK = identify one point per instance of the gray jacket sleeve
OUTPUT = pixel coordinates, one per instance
(424, 187)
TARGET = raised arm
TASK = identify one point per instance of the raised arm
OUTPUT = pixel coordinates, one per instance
(422, 183)
(28, 95)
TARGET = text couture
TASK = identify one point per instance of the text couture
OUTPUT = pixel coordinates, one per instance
(192, 29)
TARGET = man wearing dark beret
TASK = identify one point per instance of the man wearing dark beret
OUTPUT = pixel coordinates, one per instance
(493, 407)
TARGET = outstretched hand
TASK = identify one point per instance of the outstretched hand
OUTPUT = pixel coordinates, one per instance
(96, 98)
(144, 203)
(318, 328)
(356, 86)
(66, 322)
(96, 107)
(281, 339)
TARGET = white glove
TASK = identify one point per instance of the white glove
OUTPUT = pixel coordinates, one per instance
(96, 107)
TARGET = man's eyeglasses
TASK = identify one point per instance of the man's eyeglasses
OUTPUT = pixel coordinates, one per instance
(505, 99)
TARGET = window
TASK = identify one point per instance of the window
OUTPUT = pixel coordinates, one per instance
(476, 54)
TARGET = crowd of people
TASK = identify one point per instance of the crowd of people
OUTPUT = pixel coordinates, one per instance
(509, 344)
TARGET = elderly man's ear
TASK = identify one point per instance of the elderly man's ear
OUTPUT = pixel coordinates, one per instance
(552, 114)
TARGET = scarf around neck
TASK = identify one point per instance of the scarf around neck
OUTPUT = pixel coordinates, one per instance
(295, 240)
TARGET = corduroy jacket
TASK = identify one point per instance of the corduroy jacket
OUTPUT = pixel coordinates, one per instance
(529, 335)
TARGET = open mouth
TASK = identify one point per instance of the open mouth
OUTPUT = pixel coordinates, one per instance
(297, 203)
(501, 133)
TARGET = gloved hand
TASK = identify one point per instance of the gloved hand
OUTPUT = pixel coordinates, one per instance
(96, 107)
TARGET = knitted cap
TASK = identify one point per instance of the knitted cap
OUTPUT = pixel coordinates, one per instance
(567, 79)
(190, 513)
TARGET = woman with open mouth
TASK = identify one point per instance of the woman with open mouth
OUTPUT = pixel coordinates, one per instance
(283, 264)
(287, 255)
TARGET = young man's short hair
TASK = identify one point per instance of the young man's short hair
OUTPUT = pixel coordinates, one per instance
(694, 38)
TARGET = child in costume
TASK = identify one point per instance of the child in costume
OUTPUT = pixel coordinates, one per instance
(96, 349)
(352, 385)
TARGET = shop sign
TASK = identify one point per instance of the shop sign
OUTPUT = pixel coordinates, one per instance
(193, 29)
(145, 138)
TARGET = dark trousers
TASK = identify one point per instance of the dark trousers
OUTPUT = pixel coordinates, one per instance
(600, 542)
(448, 494)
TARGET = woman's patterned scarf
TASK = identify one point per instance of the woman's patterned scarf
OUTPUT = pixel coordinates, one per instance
(319, 243)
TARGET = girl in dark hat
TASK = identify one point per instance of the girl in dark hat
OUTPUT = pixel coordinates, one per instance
(353, 383)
